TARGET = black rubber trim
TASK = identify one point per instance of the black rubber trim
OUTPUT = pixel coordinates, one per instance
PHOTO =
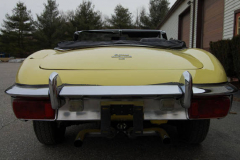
(168, 83)
(32, 86)
(47, 86)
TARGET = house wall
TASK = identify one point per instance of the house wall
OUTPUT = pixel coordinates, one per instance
(212, 22)
(195, 24)
(171, 25)
(184, 27)
(191, 26)
(228, 24)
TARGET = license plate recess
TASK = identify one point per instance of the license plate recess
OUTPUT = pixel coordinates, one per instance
(134, 108)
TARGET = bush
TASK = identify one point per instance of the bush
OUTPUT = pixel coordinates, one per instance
(235, 47)
(223, 51)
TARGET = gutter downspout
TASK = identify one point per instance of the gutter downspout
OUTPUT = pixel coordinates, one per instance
(193, 22)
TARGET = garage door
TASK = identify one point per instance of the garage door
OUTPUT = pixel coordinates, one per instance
(184, 26)
(213, 12)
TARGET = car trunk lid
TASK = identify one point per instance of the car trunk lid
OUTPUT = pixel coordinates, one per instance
(120, 58)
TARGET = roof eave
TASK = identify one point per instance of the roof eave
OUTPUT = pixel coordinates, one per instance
(170, 12)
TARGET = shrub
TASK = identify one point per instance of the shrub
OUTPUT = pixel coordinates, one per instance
(235, 47)
(222, 50)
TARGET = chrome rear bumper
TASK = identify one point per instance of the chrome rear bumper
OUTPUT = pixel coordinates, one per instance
(152, 96)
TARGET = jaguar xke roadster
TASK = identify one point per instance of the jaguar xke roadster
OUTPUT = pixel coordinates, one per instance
(128, 81)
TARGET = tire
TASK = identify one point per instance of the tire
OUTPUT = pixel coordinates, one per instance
(193, 131)
(48, 133)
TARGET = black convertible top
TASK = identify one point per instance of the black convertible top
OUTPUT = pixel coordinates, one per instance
(125, 37)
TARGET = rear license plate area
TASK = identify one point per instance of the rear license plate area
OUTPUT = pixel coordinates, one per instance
(121, 109)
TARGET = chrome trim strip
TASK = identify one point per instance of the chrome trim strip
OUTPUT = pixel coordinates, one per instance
(27, 92)
(69, 91)
(186, 86)
(222, 89)
(54, 90)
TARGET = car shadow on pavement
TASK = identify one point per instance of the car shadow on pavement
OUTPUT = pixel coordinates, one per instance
(122, 147)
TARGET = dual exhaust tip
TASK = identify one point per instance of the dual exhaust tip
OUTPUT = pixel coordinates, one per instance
(78, 142)
(166, 140)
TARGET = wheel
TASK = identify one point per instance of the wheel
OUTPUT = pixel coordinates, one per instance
(193, 131)
(48, 133)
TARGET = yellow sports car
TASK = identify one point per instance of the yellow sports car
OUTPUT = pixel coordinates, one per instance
(128, 81)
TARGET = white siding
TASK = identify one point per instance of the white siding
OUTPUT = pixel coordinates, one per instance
(229, 8)
(171, 25)
(191, 31)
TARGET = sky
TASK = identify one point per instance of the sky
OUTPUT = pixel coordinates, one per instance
(106, 7)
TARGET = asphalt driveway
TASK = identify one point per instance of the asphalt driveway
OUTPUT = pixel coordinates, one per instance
(17, 139)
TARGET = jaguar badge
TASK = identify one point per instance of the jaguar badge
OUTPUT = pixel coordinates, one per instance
(121, 56)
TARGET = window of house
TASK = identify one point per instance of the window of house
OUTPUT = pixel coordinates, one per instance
(238, 28)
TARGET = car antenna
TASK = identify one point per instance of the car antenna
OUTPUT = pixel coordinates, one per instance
(120, 33)
(75, 36)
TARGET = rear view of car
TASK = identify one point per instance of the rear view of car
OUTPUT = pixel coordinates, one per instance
(128, 81)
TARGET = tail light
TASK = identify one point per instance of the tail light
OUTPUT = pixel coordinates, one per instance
(33, 109)
(214, 107)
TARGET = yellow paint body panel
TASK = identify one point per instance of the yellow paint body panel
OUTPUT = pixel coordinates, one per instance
(159, 122)
(95, 66)
(101, 58)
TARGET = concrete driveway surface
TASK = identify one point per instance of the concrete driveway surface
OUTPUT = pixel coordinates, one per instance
(17, 139)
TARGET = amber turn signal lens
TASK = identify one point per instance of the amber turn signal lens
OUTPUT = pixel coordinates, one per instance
(211, 107)
(33, 109)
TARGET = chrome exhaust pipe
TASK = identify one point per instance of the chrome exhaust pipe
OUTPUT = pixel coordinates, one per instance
(161, 132)
(166, 139)
(164, 136)
(78, 142)
(79, 139)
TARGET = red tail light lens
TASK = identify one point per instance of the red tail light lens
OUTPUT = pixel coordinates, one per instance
(214, 107)
(33, 109)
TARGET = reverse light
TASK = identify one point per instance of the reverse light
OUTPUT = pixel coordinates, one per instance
(33, 109)
(211, 107)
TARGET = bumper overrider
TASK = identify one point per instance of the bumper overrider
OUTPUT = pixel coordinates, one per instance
(172, 101)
